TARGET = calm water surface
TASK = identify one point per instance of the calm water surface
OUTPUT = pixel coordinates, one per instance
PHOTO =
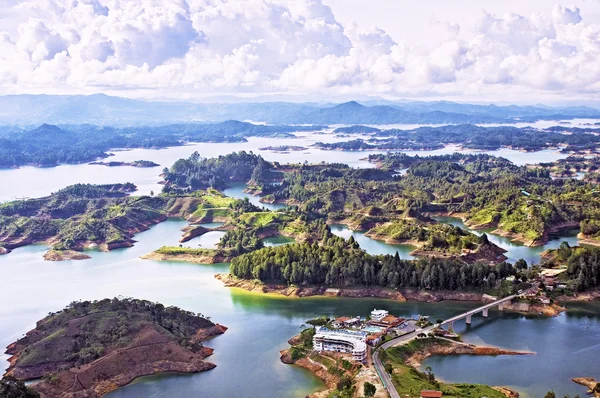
(370, 245)
(261, 324)
(41, 182)
(247, 356)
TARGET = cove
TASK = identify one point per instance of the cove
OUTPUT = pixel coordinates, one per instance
(515, 250)
(371, 245)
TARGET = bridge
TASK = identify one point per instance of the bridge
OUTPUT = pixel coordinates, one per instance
(386, 379)
(483, 309)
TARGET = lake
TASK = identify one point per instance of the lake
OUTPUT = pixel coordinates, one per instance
(260, 325)
(43, 181)
(247, 355)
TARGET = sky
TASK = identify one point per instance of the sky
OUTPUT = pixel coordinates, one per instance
(525, 51)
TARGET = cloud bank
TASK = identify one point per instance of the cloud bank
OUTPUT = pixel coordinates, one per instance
(199, 47)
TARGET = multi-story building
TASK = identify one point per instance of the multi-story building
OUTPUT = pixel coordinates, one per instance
(341, 341)
(378, 315)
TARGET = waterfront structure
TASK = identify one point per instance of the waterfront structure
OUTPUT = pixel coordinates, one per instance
(344, 322)
(388, 321)
(345, 341)
(378, 315)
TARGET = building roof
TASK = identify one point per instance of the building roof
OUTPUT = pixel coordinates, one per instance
(430, 394)
(390, 319)
(342, 319)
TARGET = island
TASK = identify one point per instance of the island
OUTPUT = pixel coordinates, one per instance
(135, 163)
(471, 137)
(284, 148)
(93, 347)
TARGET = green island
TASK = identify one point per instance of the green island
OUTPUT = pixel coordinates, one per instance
(93, 347)
(135, 163)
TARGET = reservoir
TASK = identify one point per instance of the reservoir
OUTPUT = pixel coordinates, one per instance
(247, 355)
(43, 181)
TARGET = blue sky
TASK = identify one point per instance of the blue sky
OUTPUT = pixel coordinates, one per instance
(470, 50)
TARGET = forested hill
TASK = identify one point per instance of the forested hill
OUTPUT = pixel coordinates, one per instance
(199, 173)
(92, 347)
(50, 145)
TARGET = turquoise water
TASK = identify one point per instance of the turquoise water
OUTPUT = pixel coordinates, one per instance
(566, 346)
(208, 240)
(237, 191)
(247, 356)
(212, 224)
(372, 246)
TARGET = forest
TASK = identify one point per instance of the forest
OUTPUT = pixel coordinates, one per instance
(583, 265)
(340, 262)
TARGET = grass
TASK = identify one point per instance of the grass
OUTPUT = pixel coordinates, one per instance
(217, 200)
(261, 219)
(484, 216)
(410, 382)
(178, 251)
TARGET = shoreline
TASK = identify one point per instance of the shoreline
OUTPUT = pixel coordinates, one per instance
(424, 296)
(414, 361)
(459, 348)
(215, 258)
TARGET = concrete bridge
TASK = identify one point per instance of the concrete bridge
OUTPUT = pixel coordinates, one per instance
(386, 378)
(483, 309)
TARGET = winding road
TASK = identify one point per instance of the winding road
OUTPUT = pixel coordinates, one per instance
(386, 378)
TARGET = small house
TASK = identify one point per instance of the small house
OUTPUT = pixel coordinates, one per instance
(431, 394)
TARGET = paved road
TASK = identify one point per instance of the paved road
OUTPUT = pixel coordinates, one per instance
(385, 377)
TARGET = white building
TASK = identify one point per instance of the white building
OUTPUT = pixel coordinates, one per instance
(378, 315)
(341, 341)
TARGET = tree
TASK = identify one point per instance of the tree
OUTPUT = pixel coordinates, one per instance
(521, 264)
(550, 394)
(430, 374)
(13, 388)
(345, 382)
(389, 368)
(369, 389)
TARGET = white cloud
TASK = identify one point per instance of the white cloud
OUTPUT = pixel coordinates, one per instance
(295, 46)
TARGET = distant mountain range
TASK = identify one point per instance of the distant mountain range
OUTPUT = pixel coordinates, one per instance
(100, 109)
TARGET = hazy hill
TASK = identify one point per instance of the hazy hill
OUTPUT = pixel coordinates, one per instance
(101, 109)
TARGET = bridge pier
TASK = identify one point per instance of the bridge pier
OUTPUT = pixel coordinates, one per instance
(485, 313)
(451, 326)
(468, 319)
(501, 307)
